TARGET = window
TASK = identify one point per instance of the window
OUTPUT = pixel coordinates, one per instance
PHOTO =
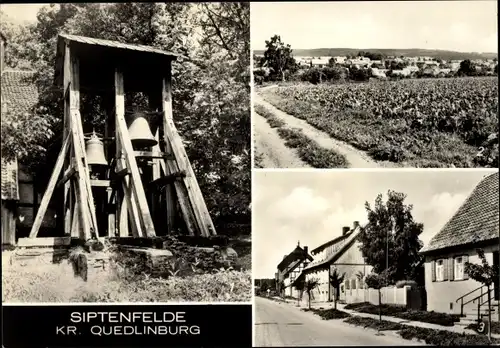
(440, 270)
(353, 284)
(458, 269)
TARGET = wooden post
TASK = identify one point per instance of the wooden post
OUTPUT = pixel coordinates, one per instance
(110, 211)
(200, 210)
(50, 189)
(166, 107)
(68, 198)
(126, 144)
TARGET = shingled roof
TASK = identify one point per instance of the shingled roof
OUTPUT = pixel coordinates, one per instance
(19, 95)
(297, 254)
(477, 220)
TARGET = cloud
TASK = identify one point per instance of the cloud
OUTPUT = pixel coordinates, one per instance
(440, 209)
(301, 203)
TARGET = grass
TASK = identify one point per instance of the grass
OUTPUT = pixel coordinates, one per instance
(404, 313)
(445, 338)
(383, 139)
(328, 314)
(429, 336)
(308, 150)
(495, 327)
(371, 323)
(57, 283)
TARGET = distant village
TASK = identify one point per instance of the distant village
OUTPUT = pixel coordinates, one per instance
(378, 66)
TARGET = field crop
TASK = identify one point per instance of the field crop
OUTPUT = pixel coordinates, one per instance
(418, 122)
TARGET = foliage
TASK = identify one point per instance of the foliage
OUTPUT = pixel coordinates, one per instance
(495, 327)
(278, 56)
(424, 122)
(444, 337)
(399, 311)
(310, 151)
(309, 286)
(330, 314)
(376, 281)
(56, 283)
(389, 241)
(402, 283)
(210, 89)
(370, 323)
(483, 273)
(273, 121)
(467, 68)
(16, 36)
(336, 279)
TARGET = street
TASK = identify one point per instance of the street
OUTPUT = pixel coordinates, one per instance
(282, 324)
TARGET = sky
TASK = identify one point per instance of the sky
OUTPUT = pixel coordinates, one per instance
(312, 207)
(464, 26)
(22, 12)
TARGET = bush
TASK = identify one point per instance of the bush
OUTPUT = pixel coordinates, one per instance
(374, 323)
(444, 338)
(402, 283)
(404, 313)
(330, 314)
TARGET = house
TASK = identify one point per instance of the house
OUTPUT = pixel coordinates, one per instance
(20, 194)
(291, 266)
(474, 225)
(341, 253)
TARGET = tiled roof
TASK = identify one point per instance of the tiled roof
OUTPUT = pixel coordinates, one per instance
(337, 240)
(297, 254)
(477, 220)
(347, 243)
(20, 95)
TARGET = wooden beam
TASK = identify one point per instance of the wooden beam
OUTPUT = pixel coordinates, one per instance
(110, 212)
(100, 183)
(126, 144)
(172, 137)
(150, 154)
(167, 179)
(50, 189)
(167, 109)
(68, 197)
(68, 174)
(186, 209)
(43, 242)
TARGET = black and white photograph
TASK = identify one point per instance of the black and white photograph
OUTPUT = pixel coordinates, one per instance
(353, 84)
(392, 257)
(126, 152)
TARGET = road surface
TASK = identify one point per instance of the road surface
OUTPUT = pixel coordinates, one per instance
(282, 324)
(271, 148)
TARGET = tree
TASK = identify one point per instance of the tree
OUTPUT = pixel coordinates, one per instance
(210, 87)
(309, 287)
(335, 280)
(279, 56)
(300, 286)
(389, 241)
(377, 281)
(486, 275)
(467, 68)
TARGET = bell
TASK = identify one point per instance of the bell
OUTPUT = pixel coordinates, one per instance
(140, 133)
(94, 149)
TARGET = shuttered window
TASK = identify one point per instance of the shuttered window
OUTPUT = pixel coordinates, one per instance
(440, 270)
(459, 267)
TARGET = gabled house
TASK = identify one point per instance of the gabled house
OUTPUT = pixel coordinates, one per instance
(343, 254)
(474, 225)
(290, 267)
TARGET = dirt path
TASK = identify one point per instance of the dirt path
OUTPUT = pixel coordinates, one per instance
(271, 149)
(355, 157)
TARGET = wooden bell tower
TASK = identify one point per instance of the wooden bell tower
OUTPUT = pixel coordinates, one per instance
(139, 203)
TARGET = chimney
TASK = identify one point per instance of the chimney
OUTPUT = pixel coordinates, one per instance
(306, 250)
(355, 225)
(345, 229)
